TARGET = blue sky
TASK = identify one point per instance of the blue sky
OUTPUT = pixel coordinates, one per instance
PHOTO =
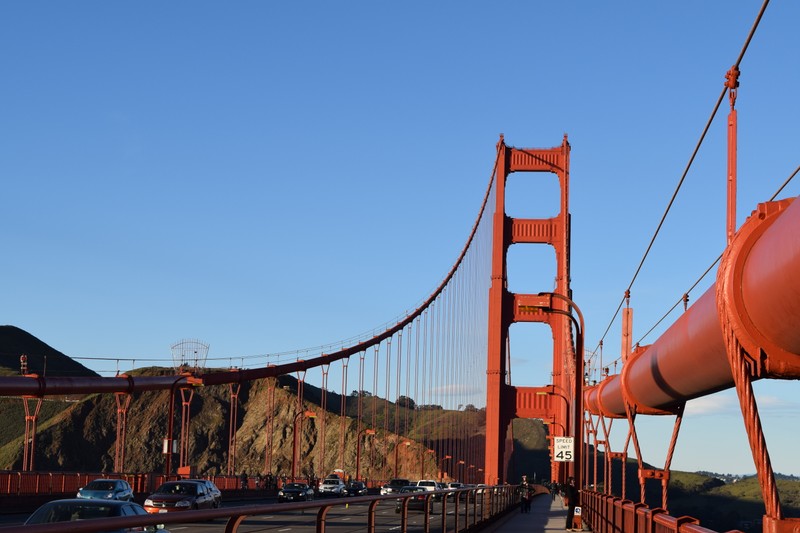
(268, 176)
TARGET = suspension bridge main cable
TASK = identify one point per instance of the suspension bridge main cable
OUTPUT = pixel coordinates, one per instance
(696, 283)
(685, 172)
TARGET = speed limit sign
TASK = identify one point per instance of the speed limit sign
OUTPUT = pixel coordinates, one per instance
(564, 449)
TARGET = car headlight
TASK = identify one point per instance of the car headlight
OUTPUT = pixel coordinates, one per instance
(109, 495)
(280, 493)
(183, 503)
(148, 502)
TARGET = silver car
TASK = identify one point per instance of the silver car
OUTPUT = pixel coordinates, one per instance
(106, 489)
(333, 486)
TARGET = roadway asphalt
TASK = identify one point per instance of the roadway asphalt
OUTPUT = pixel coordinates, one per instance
(546, 515)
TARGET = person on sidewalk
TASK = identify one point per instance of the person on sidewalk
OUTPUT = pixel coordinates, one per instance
(570, 500)
(524, 496)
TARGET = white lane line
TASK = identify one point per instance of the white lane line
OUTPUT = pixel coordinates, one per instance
(285, 529)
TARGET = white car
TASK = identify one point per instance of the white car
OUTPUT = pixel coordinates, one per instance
(430, 485)
(333, 486)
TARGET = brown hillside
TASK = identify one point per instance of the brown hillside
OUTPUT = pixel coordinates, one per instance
(81, 435)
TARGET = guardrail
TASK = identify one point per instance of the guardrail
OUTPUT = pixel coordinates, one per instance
(481, 506)
(610, 514)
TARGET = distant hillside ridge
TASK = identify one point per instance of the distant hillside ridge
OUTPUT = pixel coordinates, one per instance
(43, 359)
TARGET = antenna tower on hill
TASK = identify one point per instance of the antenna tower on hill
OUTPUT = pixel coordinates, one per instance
(189, 354)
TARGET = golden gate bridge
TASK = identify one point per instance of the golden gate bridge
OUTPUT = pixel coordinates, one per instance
(453, 351)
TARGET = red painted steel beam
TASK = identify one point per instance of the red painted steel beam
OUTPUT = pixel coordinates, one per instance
(689, 360)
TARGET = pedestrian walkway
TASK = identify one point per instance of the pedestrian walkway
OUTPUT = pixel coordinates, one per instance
(547, 515)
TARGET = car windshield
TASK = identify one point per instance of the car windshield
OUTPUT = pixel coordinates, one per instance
(412, 489)
(71, 511)
(187, 489)
(100, 485)
(297, 486)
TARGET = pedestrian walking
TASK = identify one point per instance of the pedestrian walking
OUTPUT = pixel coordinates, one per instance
(524, 496)
(570, 500)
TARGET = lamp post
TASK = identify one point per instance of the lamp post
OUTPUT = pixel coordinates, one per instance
(577, 407)
(170, 423)
(552, 392)
(553, 422)
(396, 457)
(446, 458)
(422, 462)
(364, 431)
(305, 414)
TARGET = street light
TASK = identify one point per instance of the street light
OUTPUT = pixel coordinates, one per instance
(422, 462)
(396, 457)
(364, 431)
(446, 458)
(460, 464)
(551, 391)
(553, 422)
(577, 414)
(305, 414)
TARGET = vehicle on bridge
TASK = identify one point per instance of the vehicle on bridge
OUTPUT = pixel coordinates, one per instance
(357, 488)
(295, 492)
(107, 489)
(455, 485)
(212, 489)
(395, 485)
(87, 509)
(333, 485)
(430, 485)
(179, 496)
(416, 502)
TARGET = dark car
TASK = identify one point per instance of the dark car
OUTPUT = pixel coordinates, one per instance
(212, 489)
(87, 509)
(107, 489)
(414, 502)
(356, 488)
(395, 485)
(295, 492)
(179, 496)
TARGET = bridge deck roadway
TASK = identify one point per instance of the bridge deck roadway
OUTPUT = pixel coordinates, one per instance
(547, 515)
